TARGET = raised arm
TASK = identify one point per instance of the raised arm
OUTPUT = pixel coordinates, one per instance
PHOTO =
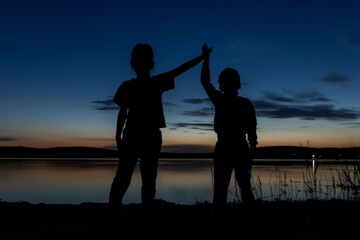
(186, 66)
(205, 76)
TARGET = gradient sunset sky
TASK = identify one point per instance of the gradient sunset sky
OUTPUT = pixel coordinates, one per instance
(62, 61)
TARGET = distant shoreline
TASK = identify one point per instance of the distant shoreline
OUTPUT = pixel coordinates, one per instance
(277, 152)
(180, 161)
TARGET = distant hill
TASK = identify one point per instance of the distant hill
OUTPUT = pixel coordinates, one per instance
(56, 152)
(281, 152)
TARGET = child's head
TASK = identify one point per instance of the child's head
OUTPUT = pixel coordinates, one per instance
(229, 80)
(142, 58)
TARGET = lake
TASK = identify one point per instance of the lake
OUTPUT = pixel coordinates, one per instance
(183, 181)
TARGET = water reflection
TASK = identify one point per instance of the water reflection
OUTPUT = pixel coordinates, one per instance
(179, 181)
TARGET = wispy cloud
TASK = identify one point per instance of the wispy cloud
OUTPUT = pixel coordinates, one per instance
(196, 100)
(334, 78)
(202, 112)
(311, 112)
(278, 97)
(104, 105)
(309, 95)
(109, 105)
(312, 96)
(8, 139)
(198, 126)
(169, 104)
(207, 110)
(306, 105)
(352, 124)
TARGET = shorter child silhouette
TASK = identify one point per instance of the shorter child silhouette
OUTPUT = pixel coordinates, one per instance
(235, 119)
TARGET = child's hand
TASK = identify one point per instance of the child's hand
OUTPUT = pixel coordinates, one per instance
(206, 51)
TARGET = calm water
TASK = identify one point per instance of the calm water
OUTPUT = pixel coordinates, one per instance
(179, 181)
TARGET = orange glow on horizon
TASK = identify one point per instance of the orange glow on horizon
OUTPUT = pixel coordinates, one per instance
(202, 141)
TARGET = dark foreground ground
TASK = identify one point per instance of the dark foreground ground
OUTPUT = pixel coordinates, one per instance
(273, 220)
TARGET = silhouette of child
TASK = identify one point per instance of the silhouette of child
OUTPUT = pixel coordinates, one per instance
(141, 108)
(234, 119)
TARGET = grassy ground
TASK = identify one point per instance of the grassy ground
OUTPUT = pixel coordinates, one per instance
(273, 220)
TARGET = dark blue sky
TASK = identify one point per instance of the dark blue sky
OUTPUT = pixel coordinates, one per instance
(62, 61)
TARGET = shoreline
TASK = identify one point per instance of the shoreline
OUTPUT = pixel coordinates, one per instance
(190, 160)
(310, 219)
(270, 152)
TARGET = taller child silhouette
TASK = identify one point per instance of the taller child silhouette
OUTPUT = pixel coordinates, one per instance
(141, 112)
(234, 120)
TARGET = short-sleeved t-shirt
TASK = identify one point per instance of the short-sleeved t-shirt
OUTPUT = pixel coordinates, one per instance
(234, 115)
(143, 99)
